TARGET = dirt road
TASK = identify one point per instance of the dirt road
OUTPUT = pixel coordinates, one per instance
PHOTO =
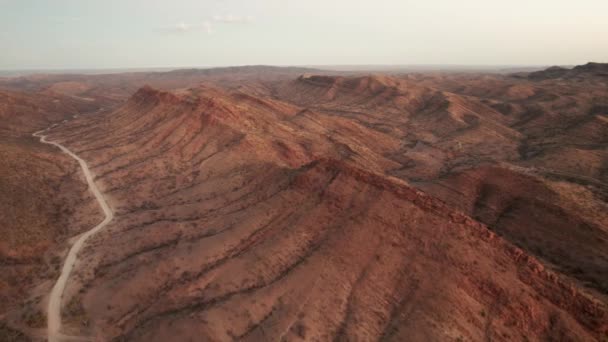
(54, 304)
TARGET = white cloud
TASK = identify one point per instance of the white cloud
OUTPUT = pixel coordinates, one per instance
(233, 19)
(207, 26)
(182, 27)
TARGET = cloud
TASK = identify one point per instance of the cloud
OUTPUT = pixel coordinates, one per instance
(207, 26)
(233, 19)
(182, 27)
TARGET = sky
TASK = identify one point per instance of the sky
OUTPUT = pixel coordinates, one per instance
(90, 34)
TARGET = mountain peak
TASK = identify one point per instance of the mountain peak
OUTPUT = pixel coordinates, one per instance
(149, 94)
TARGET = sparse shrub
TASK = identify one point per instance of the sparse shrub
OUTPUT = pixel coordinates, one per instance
(34, 318)
(56, 260)
(300, 330)
(74, 307)
(9, 334)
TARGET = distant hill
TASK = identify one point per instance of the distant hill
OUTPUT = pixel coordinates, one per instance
(589, 69)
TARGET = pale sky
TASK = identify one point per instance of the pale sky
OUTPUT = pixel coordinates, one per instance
(68, 34)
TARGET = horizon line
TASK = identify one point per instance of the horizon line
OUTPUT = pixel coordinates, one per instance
(282, 66)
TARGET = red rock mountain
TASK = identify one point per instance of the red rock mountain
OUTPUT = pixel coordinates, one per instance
(366, 207)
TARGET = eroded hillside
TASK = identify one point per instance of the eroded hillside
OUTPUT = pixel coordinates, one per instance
(288, 209)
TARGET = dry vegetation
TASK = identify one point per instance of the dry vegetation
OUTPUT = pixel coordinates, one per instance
(44, 202)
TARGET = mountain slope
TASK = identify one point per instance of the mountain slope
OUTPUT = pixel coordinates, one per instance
(255, 218)
(44, 202)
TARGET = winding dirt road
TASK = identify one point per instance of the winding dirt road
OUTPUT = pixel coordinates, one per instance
(54, 306)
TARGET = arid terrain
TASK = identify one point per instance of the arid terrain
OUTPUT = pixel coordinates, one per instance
(265, 204)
